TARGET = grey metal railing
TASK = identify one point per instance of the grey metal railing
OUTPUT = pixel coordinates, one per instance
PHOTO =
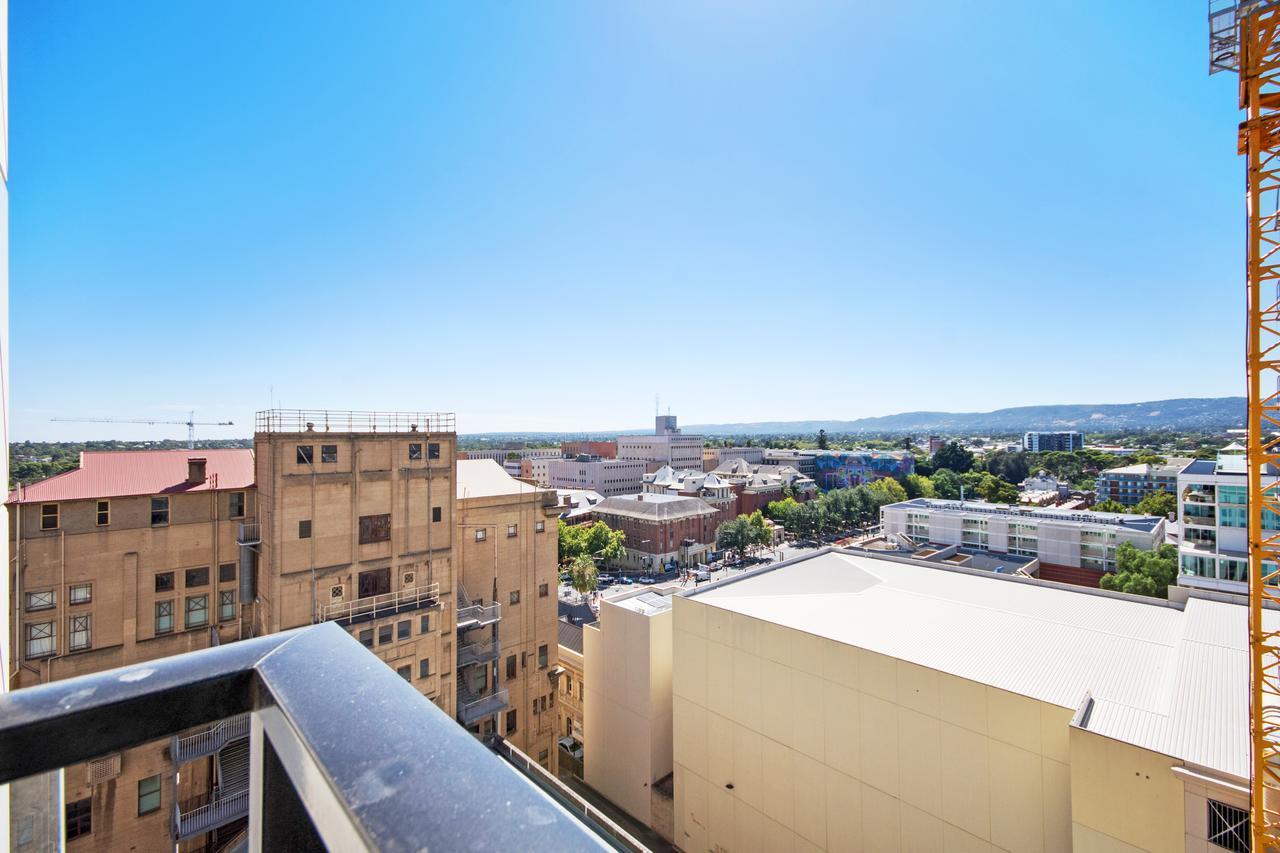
(222, 808)
(344, 754)
(478, 615)
(473, 706)
(373, 606)
(473, 653)
(250, 533)
(322, 420)
(209, 741)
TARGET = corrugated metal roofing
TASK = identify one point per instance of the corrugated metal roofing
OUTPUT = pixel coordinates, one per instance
(121, 473)
(1170, 680)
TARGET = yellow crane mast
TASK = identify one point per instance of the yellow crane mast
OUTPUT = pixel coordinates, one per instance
(1244, 36)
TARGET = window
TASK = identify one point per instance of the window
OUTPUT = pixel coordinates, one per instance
(305, 452)
(482, 535)
(384, 634)
(433, 450)
(197, 577)
(403, 629)
(227, 573)
(375, 528)
(79, 633)
(511, 666)
(375, 582)
(515, 596)
(164, 581)
(543, 590)
(534, 710)
(542, 656)
(40, 640)
(148, 794)
(1228, 827)
(164, 617)
(197, 611)
(435, 513)
(79, 818)
(511, 530)
(405, 672)
(568, 684)
(511, 721)
(42, 600)
(425, 626)
(81, 593)
(236, 505)
(104, 513)
(539, 526)
(424, 668)
(226, 605)
(328, 453)
(48, 516)
(415, 451)
(304, 529)
(366, 638)
(159, 512)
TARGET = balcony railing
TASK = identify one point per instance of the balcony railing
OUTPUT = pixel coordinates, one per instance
(346, 754)
(320, 420)
(473, 707)
(478, 615)
(250, 533)
(209, 741)
(373, 606)
(473, 653)
(1199, 520)
(220, 810)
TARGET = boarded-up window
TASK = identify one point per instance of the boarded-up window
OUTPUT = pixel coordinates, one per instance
(376, 582)
(375, 528)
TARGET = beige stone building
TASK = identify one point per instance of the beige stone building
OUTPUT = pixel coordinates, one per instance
(570, 696)
(840, 702)
(507, 608)
(131, 557)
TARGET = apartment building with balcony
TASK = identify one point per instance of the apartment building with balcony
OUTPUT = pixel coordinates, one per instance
(1074, 546)
(131, 557)
(1132, 484)
(841, 702)
(507, 634)
(1043, 442)
(1213, 507)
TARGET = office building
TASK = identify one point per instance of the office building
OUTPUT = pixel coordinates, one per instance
(667, 446)
(753, 455)
(839, 702)
(1070, 547)
(663, 531)
(1043, 442)
(603, 449)
(609, 477)
(1213, 506)
(507, 637)
(1132, 484)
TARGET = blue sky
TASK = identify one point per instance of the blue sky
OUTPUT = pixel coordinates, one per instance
(539, 215)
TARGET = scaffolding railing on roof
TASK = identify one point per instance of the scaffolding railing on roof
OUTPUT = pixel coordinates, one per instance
(323, 420)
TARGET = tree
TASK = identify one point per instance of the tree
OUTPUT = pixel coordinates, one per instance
(1143, 572)
(734, 535)
(780, 511)
(890, 487)
(583, 574)
(918, 486)
(1149, 459)
(952, 455)
(1109, 506)
(1011, 467)
(1157, 503)
(597, 540)
(808, 521)
(994, 490)
(946, 483)
(822, 439)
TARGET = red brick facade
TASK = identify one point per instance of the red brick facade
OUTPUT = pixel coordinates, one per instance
(661, 537)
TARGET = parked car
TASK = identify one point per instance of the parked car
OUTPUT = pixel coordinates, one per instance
(702, 575)
(647, 580)
(606, 580)
(626, 581)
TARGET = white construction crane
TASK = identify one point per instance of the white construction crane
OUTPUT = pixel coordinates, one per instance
(191, 423)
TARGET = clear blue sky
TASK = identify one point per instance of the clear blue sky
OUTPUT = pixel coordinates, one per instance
(539, 214)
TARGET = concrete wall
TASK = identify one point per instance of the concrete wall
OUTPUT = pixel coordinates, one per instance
(627, 709)
(784, 740)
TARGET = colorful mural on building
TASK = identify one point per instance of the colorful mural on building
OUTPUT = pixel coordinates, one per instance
(841, 469)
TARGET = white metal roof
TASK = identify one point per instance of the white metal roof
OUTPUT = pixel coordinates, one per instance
(1167, 679)
(483, 478)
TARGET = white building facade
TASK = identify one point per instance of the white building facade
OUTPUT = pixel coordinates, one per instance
(667, 446)
(1213, 507)
(609, 477)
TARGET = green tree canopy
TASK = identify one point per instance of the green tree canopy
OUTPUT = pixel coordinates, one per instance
(1143, 572)
(583, 574)
(598, 541)
(890, 487)
(918, 486)
(1010, 467)
(1109, 506)
(780, 511)
(822, 440)
(952, 455)
(994, 490)
(1157, 503)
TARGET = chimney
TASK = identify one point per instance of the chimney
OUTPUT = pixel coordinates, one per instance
(196, 470)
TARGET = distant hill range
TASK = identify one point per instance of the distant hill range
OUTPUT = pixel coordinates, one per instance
(1183, 414)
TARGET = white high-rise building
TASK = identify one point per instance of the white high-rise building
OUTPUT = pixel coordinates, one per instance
(667, 446)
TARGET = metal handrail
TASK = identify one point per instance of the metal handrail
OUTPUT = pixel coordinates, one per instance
(436, 785)
(250, 533)
(479, 614)
(221, 809)
(469, 653)
(322, 420)
(209, 741)
(376, 605)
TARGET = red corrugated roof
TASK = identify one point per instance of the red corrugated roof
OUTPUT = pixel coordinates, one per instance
(120, 473)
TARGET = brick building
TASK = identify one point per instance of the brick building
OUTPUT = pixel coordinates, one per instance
(661, 530)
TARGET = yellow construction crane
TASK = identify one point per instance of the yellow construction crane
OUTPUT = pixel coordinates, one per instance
(1244, 36)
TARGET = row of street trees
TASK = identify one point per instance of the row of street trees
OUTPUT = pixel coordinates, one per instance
(744, 533)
